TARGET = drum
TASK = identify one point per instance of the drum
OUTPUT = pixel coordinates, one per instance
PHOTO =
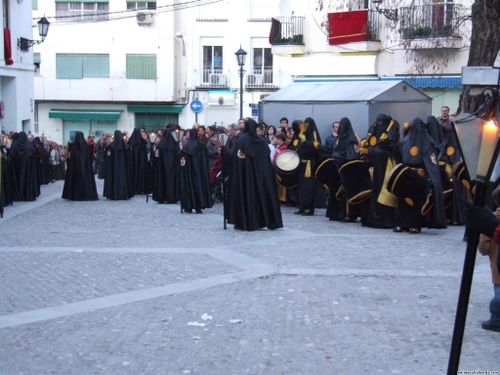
(411, 188)
(287, 168)
(355, 177)
(326, 172)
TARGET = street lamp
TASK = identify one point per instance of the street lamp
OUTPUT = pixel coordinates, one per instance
(241, 56)
(478, 135)
(43, 28)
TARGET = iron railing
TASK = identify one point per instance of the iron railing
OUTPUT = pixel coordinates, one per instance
(288, 30)
(430, 21)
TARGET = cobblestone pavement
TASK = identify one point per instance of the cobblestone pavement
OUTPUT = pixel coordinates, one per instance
(135, 287)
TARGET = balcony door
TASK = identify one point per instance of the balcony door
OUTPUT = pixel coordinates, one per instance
(262, 64)
(213, 67)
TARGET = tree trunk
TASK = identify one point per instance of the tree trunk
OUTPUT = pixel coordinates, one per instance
(484, 47)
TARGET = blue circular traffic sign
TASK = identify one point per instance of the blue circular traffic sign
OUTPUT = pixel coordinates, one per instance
(196, 106)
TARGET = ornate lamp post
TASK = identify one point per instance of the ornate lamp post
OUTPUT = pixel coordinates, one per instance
(241, 56)
(478, 135)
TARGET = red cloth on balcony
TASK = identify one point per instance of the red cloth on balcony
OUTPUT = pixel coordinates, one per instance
(7, 47)
(347, 27)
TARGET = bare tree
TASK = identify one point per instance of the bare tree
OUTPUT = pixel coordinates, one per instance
(484, 47)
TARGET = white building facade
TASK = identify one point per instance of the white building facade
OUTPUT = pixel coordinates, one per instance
(117, 64)
(16, 68)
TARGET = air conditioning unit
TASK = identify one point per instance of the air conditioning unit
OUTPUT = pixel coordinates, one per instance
(217, 79)
(254, 79)
(144, 18)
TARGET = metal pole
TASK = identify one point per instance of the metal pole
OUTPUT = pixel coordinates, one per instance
(465, 287)
(241, 91)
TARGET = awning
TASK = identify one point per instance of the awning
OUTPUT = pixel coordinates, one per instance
(415, 81)
(84, 114)
(176, 108)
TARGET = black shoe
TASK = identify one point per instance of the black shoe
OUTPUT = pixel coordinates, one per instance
(490, 327)
(308, 212)
(189, 211)
(198, 211)
(299, 212)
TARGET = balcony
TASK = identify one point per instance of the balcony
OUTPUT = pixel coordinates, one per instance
(436, 21)
(355, 31)
(214, 78)
(260, 79)
(287, 36)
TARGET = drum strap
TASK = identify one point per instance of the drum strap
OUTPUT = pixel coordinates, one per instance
(307, 173)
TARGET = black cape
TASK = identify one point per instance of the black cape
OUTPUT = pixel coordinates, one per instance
(252, 199)
(382, 138)
(195, 187)
(140, 164)
(118, 170)
(166, 165)
(309, 192)
(418, 150)
(79, 183)
(25, 181)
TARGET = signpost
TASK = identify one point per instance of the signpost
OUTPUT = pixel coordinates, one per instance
(196, 106)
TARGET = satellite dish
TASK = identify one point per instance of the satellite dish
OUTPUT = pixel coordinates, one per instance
(285, 8)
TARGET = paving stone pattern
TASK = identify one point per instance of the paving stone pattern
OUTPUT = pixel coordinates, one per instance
(114, 288)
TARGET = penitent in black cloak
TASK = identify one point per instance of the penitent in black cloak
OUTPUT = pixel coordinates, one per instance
(79, 183)
(382, 144)
(252, 198)
(419, 153)
(165, 178)
(140, 164)
(25, 181)
(195, 187)
(118, 170)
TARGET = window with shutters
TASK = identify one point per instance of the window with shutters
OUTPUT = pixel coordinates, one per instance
(141, 66)
(78, 66)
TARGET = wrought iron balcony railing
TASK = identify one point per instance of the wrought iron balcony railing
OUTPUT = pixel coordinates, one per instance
(287, 30)
(437, 20)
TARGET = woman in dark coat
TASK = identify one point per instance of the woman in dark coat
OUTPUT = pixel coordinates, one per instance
(79, 183)
(165, 181)
(252, 198)
(195, 187)
(118, 170)
(24, 167)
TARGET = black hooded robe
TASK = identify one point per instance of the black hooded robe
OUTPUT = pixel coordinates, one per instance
(418, 151)
(118, 170)
(309, 193)
(166, 164)
(79, 182)
(346, 150)
(24, 167)
(195, 187)
(252, 195)
(382, 142)
(140, 164)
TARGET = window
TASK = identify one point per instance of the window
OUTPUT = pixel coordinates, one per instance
(77, 66)
(141, 5)
(262, 63)
(141, 66)
(34, 4)
(82, 11)
(212, 61)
